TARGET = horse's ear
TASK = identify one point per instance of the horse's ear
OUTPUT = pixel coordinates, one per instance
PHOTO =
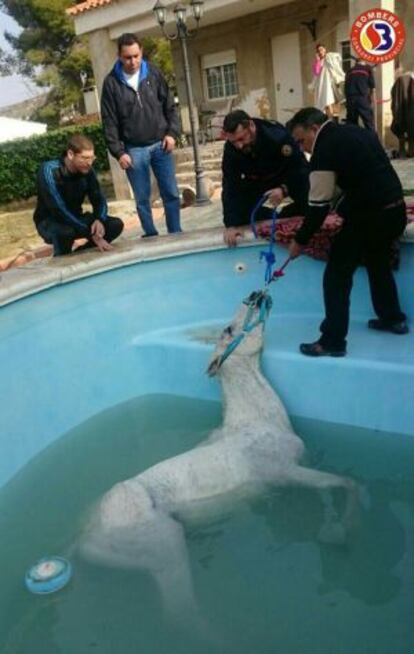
(214, 366)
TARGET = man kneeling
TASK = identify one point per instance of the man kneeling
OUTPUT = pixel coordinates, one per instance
(62, 185)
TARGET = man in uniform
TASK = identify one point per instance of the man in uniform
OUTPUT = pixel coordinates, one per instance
(374, 214)
(359, 94)
(259, 157)
(62, 186)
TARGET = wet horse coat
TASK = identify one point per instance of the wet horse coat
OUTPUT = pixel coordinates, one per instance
(139, 522)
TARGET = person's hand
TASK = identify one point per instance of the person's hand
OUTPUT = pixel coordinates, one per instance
(125, 161)
(101, 244)
(275, 196)
(230, 235)
(332, 222)
(168, 143)
(97, 229)
(295, 250)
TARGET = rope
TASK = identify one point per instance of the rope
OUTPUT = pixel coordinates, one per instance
(268, 255)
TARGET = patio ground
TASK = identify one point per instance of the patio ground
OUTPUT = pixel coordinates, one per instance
(20, 243)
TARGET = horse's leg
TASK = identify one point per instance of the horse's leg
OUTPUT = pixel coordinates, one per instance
(333, 530)
(127, 530)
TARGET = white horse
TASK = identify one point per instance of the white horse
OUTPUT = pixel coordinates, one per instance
(139, 522)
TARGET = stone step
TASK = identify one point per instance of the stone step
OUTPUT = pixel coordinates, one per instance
(208, 164)
(188, 179)
(209, 151)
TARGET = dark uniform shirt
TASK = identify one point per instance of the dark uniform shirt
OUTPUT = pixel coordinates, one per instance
(275, 159)
(60, 195)
(359, 80)
(349, 163)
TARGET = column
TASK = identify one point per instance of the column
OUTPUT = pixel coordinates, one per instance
(103, 55)
(384, 73)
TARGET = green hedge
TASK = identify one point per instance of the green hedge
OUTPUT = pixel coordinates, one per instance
(20, 159)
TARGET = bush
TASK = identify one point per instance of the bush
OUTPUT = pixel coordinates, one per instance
(20, 159)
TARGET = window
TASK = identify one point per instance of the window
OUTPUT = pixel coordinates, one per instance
(220, 75)
(346, 55)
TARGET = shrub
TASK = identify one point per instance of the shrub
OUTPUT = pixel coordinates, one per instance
(20, 159)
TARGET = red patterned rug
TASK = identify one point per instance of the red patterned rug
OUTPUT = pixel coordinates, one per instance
(319, 246)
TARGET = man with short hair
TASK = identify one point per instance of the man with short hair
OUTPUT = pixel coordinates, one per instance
(140, 124)
(372, 206)
(259, 157)
(62, 186)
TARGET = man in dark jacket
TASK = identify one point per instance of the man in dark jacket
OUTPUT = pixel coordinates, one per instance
(259, 157)
(359, 94)
(402, 107)
(372, 206)
(62, 186)
(140, 125)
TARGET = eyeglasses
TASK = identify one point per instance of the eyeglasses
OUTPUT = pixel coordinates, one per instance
(85, 158)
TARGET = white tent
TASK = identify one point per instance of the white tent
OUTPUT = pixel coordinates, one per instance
(13, 128)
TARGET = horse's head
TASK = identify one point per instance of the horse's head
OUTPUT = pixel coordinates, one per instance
(244, 336)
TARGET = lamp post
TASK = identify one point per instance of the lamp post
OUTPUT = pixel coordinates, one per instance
(183, 33)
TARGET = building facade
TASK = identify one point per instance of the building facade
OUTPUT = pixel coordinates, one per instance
(250, 54)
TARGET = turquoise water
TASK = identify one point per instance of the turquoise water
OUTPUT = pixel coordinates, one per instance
(264, 583)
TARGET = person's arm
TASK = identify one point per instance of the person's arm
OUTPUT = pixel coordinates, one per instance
(110, 121)
(296, 183)
(97, 198)
(166, 98)
(49, 193)
(321, 194)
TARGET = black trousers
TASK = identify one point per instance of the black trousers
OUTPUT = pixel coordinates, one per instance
(358, 106)
(62, 236)
(368, 237)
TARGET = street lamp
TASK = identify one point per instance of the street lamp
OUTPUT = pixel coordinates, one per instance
(183, 33)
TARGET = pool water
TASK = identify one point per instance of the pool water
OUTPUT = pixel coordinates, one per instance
(264, 583)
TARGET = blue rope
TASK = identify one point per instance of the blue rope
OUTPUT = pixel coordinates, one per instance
(268, 255)
(248, 324)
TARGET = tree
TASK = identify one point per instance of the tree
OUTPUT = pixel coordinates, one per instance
(48, 51)
(158, 51)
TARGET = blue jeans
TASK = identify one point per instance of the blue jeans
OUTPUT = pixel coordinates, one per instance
(162, 164)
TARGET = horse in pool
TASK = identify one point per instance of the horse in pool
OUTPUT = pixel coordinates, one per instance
(139, 523)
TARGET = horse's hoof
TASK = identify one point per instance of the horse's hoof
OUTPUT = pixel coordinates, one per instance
(333, 533)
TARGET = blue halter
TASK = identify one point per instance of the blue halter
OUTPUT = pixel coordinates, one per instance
(259, 299)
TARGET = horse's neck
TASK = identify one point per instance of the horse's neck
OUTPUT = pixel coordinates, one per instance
(248, 398)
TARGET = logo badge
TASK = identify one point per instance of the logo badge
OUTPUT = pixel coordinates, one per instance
(286, 150)
(377, 36)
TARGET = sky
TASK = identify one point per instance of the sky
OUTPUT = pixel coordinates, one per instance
(13, 88)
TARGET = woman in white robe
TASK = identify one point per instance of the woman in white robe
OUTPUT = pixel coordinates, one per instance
(328, 74)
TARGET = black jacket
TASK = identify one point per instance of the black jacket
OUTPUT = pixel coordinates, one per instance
(137, 118)
(348, 163)
(359, 80)
(274, 160)
(60, 195)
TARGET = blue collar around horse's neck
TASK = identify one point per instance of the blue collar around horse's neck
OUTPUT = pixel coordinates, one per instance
(248, 323)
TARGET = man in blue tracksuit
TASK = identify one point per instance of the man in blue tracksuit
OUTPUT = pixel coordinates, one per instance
(140, 124)
(62, 186)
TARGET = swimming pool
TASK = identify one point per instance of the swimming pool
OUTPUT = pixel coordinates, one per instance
(71, 351)
(81, 358)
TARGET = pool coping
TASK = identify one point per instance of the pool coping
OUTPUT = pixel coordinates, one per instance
(42, 274)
